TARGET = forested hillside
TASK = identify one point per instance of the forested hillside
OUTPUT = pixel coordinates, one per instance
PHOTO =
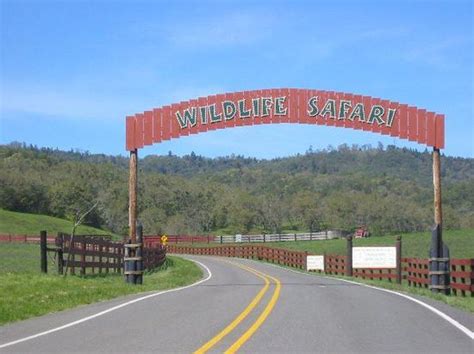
(389, 189)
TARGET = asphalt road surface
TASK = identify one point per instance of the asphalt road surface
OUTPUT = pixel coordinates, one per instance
(250, 307)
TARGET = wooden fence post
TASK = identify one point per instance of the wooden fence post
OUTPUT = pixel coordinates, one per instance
(60, 246)
(83, 256)
(398, 246)
(349, 257)
(44, 250)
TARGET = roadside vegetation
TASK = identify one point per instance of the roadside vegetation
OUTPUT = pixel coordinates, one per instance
(25, 293)
(386, 188)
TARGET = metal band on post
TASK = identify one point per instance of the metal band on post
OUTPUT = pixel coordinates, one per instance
(133, 259)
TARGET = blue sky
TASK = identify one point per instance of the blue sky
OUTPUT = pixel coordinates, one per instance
(72, 70)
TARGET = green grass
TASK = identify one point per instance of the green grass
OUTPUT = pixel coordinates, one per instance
(20, 258)
(15, 223)
(25, 293)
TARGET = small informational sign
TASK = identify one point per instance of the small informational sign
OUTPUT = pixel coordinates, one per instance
(315, 263)
(374, 257)
(238, 238)
(164, 240)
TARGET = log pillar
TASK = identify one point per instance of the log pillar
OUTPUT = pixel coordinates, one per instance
(438, 215)
(132, 192)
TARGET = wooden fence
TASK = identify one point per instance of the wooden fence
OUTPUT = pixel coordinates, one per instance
(36, 239)
(153, 257)
(91, 253)
(461, 274)
(289, 258)
(95, 255)
(414, 271)
(23, 239)
(259, 238)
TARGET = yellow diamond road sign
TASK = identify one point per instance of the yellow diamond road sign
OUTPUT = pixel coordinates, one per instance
(164, 239)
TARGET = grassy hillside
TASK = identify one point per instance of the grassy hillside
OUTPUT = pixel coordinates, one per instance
(31, 224)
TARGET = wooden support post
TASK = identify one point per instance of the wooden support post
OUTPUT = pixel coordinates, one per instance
(439, 271)
(43, 250)
(83, 256)
(349, 257)
(132, 192)
(398, 246)
(60, 246)
(438, 215)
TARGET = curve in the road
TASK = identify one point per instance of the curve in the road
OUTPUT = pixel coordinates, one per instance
(228, 329)
(441, 314)
(309, 313)
(258, 322)
(263, 316)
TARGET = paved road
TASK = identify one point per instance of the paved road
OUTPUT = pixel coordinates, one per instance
(255, 308)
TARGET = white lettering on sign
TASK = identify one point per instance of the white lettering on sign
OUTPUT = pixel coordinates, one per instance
(374, 257)
(315, 263)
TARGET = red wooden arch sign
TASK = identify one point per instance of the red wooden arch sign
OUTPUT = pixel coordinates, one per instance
(302, 106)
(273, 106)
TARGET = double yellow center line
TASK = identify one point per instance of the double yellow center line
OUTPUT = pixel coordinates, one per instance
(258, 322)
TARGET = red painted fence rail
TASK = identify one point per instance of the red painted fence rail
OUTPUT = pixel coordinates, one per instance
(23, 239)
(415, 271)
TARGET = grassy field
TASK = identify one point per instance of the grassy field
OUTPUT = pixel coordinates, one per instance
(25, 293)
(31, 224)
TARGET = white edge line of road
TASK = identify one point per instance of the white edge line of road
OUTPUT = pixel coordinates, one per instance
(111, 309)
(444, 316)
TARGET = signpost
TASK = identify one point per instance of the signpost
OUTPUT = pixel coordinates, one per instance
(295, 106)
(374, 257)
(315, 263)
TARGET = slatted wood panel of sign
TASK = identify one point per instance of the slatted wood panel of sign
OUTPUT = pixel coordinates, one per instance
(273, 106)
